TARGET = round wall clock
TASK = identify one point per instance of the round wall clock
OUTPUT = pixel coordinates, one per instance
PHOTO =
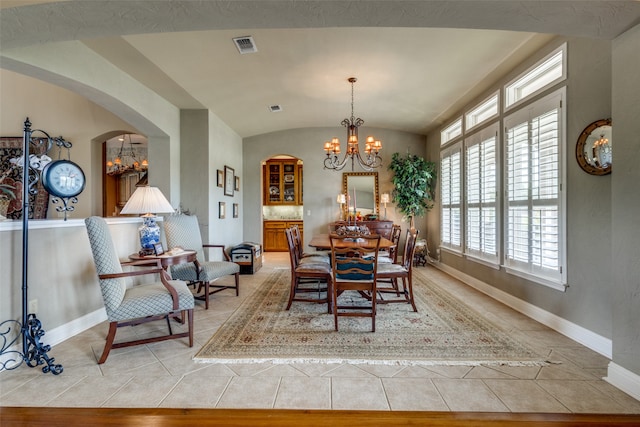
(63, 178)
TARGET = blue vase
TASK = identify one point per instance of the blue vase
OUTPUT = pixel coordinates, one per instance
(149, 232)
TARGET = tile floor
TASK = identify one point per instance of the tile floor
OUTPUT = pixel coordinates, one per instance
(163, 374)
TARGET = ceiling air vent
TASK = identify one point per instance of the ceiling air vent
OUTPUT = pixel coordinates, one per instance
(245, 45)
(275, 108)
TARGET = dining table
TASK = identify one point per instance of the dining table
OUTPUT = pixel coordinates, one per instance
(322, 242)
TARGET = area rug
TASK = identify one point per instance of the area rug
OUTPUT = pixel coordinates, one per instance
(444, 331)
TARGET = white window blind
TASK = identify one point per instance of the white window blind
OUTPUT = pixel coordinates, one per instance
(451, 194)
(451, 132)
(481, 206)
(534, 205)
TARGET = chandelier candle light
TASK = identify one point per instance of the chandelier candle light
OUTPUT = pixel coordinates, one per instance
(148, 201)
(371, 158)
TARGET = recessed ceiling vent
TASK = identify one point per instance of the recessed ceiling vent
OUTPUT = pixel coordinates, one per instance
(275, 108)
(245, 45)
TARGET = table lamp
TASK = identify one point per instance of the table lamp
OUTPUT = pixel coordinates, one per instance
(341, 199)
(384, 199)
(148, 201)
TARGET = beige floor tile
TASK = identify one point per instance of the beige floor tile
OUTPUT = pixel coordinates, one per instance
(281, 370)
(47, 386)
(413, 394)
(249, 369)
(630, 405)
(316, 369)
(581, 397)
(250, 392)
(143, 391)
(520, 372)
(524, 396)
(468, 395)
(450, 371)
(193, 392)
(92, 391)
(348, 371)
(304, 393)
(583, 357)
(358, 393)
(417, 372)
(382, 371)
(480, 372)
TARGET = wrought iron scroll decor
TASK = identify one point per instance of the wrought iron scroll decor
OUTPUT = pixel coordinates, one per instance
(34, 352)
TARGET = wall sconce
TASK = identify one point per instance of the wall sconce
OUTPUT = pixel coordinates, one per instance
(384, 199)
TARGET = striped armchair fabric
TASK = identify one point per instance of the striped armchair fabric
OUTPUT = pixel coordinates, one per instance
(136, 304)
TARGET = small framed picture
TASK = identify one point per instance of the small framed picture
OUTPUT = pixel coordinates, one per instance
(220, 178)
(237, 187)
(158, 249)
(229, 180)
(235, 210)
(221, 210)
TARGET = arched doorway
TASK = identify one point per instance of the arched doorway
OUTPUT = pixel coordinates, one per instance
(124, 167)
(282, 200)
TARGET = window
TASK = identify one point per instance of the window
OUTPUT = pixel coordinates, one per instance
(481, 205)
(483, 112)
(550, 70)
(451, 132)
(450, 193)
(534, 207)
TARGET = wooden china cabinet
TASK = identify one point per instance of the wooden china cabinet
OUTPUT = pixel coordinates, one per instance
(283, 182)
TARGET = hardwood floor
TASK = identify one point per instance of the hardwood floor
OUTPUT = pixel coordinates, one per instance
(166, 417)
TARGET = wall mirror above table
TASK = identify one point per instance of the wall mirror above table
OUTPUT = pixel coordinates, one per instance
(361, 189)
(594, 148)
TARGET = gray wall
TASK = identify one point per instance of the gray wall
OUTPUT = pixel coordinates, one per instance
(587, 301)
(321, 186)
(625, 286)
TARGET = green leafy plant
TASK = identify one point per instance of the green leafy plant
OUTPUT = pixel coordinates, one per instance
(414, 179)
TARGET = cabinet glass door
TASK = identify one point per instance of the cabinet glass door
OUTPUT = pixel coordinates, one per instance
(274, 183)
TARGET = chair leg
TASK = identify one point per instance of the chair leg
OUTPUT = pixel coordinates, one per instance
(237, 283)
(169, 325)
(411, 300)
(190, 322)
(292, 292)
(206, 295)
(113, 326)
(334, 297)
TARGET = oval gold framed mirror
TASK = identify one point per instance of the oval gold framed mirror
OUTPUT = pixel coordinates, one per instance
(594, 148)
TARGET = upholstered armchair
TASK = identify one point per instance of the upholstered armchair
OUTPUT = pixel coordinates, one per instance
(133, 305)
(183, 231)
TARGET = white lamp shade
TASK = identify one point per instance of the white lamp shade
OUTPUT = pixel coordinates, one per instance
(147, 200)
(342, 199)
(384, 198)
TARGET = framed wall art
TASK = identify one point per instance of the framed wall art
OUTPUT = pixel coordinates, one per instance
(237, 184)
(220, 178)
(235, 210)
(221, 210)
(229, 180)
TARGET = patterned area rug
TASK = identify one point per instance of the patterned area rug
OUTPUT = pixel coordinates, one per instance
(444, 331)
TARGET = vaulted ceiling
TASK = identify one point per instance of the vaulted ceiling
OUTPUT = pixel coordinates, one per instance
(416, 61)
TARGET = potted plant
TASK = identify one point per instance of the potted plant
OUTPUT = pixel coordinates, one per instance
(414, 179)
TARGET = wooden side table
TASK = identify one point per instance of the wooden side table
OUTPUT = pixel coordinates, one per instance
(166, 259)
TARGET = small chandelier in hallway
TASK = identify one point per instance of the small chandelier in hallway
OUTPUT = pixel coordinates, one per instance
(369, 161)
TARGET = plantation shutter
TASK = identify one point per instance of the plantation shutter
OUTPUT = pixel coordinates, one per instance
(450, 190)
(534, 231)
(481, 195)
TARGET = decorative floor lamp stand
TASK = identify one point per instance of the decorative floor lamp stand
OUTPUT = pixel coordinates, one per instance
(34, 352)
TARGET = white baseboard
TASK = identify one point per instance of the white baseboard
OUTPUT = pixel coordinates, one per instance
(588, 338)
(623, 379)
(73, 328)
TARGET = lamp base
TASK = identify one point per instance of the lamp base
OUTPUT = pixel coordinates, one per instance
(149, 233)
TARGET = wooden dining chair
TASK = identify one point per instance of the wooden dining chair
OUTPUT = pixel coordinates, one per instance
(304, 257)
(390, 255)
(355, 265)
(308, 278)
(403, 271)
(134, 305)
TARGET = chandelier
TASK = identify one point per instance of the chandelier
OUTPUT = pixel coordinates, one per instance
(126, 160)
(369, 161)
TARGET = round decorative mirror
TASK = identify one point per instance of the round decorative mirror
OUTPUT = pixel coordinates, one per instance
(593, 150)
